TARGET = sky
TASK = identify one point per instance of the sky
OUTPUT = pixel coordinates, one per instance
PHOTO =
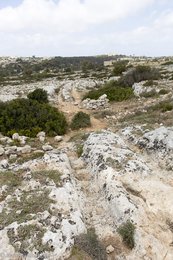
(86, 27)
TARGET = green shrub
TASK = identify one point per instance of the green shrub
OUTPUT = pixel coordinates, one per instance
(119, 68)
(140, 73)
(149, 94)
(163, 106)
(28, 117)
(127, 230)
(39, 95)
(90, 244)
(79, 150)
(113, 91)
(150, 83)
(80, 120)
(163, 91)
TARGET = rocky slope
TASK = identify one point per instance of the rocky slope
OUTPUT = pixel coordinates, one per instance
(49, 196)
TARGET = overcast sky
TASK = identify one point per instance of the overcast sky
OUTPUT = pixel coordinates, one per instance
(86, 27)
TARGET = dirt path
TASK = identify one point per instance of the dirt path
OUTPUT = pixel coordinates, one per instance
(71, 108)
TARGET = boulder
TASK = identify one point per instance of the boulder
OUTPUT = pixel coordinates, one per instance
(93, 104)
(15, 136)
(26, 149)
(11, 150)
(41, 134)
(13, 156)
(4, 164)
(58, 138)
(110, 249)
(22, 139)
(47, 147)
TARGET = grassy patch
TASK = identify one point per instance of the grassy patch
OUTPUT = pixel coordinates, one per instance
(79, 137)
(114, 163)
(90, 244)
(78, 254)
(42, 177)
(126, 231)
(30, 237)
(150, 83)
(103, 114)
(12, 180)
(163, 106)
(79, 149)
(153, 115)
(30, 157)
(148, 94)
(22, 209)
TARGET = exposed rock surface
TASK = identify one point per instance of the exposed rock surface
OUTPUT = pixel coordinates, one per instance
(100, 103)
(48, 195)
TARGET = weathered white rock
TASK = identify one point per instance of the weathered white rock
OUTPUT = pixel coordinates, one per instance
(110, 249)
(22, 139)
(4, 164)
(58, 138)
(47, 147)
(10, 150)
(26, 149)
(139, 89)
(42, 139)
(1, 151)
(13, 156)
(15, 136)
(158, 139)
(43, 134)
(102, 102)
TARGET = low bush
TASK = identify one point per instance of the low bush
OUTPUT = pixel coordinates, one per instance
(127, 230)
(119, 67)
(113, 90)
(90, 244)
(80, 120)
(163, 91)
(150, 83)
(39, 95)
(79, 150)
(140, 73)
(28, 117)
(163, 106)
(148, 94)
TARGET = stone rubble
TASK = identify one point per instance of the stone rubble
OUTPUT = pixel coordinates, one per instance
(91, 104)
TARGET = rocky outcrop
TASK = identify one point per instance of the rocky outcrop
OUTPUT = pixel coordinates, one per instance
(129, 185)
(58, 220)
(92, 104)
(160, 139)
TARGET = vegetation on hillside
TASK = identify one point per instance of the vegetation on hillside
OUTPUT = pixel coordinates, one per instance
(140, 73)
(119, 67)
(28, 117)
(127, 230)
(90, 244)
(114, 91)
(39, 95)
(80, 120)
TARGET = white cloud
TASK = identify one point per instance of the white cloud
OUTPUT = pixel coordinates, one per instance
(66, 15)
(74, 27)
